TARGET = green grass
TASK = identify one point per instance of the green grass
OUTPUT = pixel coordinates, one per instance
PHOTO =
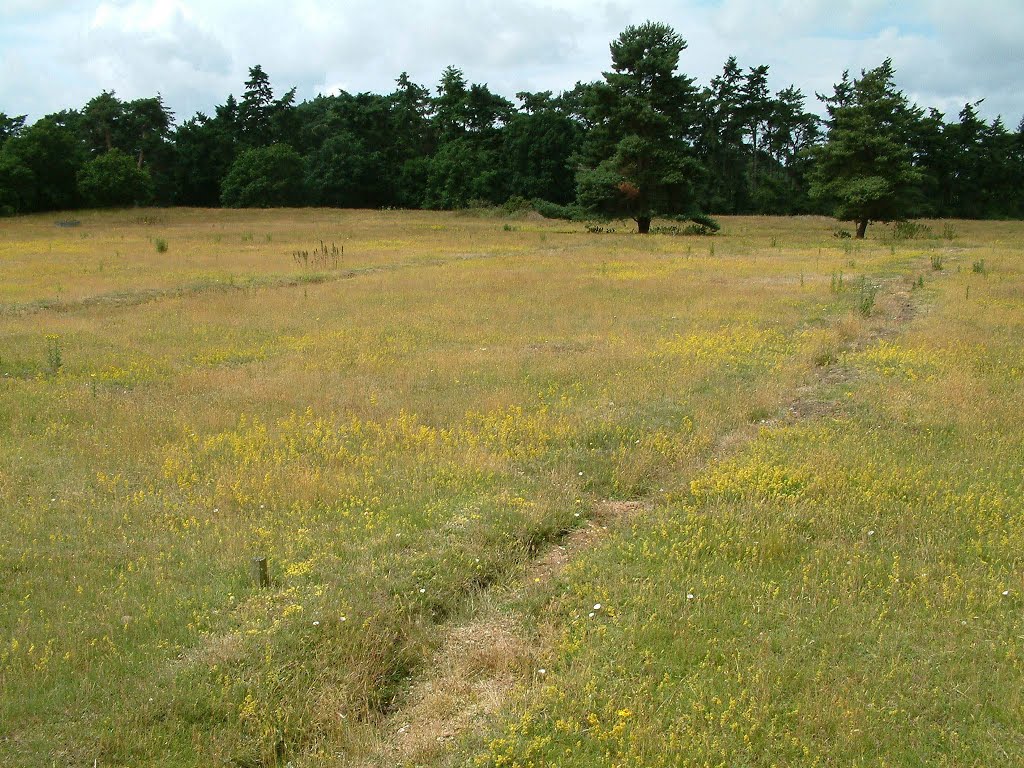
(830, 491)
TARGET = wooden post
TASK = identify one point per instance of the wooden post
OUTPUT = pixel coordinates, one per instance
(262, 571)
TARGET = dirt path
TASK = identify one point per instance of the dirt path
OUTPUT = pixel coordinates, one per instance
(894, 309)
(481, 663)
(139, 296)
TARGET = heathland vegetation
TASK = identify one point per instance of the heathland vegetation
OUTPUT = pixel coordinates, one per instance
(529, 495)
(508, 486)
(644, 141)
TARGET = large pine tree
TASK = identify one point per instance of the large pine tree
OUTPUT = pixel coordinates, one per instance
(638, 161)
(866, 167)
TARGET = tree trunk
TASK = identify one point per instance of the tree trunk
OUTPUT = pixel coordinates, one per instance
(643, 224)
(753, 168)
(862, 228)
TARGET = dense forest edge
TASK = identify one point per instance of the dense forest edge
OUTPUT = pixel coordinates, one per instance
(645, 141)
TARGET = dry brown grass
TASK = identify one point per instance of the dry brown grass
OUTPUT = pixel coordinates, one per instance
(404, 436)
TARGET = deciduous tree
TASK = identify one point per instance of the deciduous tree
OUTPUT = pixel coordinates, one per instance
(10, 127)
(53, 154)
(114, 179)
(264, 177)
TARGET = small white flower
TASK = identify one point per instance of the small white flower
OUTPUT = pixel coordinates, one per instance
(542, 671)
(581, 474)
(344, 618)
(215, 509)
(597, 606)
(422, 590)
(871, 532)
(591, 614)
(316, 623)
(577, 514)
(689, 596)
(1006, 592)
(54, 498)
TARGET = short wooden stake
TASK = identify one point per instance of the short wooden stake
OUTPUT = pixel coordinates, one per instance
(262, 571)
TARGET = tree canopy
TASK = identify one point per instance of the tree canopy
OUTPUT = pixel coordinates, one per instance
(645, 140)
(264, 177)
(114, 179)
(866, 166)
(638, 159)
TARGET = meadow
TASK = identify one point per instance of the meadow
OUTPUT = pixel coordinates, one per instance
(529, 495)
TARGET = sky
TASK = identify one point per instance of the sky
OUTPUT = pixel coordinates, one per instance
(57, 54)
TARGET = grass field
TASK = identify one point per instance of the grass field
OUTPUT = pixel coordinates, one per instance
(529, 496)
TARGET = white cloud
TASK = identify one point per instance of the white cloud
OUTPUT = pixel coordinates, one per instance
(150, 45)
(141, 48)
(32, 9)
(60, 54)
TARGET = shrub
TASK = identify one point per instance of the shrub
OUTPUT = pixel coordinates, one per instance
(515, 205)
(909, 230)
(54, 358)
(17, 186)
(706, 224)
(698, 224)
(555, 211)
(675, 230)
(114, 179)
(264, 177)
(866, 297)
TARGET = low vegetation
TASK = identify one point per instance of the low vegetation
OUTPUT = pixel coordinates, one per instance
(784, 468)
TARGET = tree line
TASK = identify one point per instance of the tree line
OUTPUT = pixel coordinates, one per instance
(643, 141)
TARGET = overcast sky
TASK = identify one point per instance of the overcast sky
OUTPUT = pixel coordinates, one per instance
(57, 54)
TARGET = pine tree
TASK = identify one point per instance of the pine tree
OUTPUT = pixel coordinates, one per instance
(264, 120)
(639, 160)
(720, 142)
(866, 167)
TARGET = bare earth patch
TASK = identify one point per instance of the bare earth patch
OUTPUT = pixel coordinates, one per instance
(894, 308)
(553, 562)
(480, 663)
(469, 679)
